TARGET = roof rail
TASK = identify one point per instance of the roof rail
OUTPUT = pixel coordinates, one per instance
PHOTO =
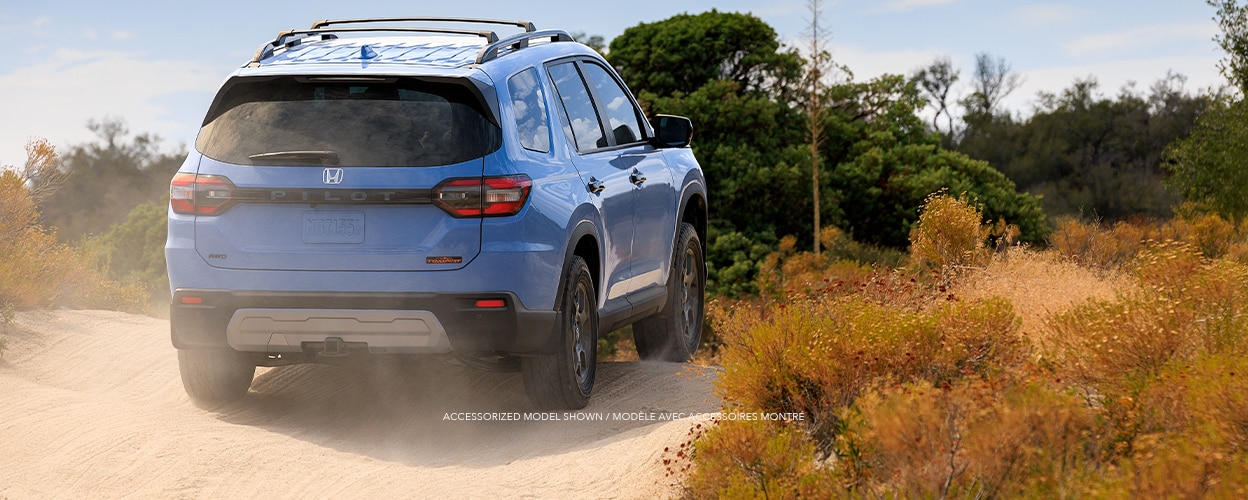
(284, 38)
(517, 42)
(291, 38)
(527, 26)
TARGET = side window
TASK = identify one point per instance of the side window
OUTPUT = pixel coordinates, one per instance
(528, 102)
(585, 130)
(618, 108)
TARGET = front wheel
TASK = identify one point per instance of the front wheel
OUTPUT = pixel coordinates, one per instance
(564, 380)
(674, 334)
(212, 376)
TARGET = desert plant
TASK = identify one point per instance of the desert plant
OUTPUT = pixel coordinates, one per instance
(1096, 246)
(949, 236)
(36, 270)
(972, 439)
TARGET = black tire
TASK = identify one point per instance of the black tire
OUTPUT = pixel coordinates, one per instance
(212, 376)
(564, 380)
(674, 334)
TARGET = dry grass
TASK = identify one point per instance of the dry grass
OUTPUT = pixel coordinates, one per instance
(1039, 284)
(1112, 366)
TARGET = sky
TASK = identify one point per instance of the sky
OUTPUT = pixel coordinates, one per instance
(156, 65)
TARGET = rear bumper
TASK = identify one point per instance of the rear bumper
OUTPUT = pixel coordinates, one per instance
(283, 322)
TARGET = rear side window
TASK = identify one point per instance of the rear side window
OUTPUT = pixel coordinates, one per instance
(385, 123)
(528, 102)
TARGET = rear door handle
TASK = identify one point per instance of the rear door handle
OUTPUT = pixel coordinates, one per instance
(637, 177)
(595, 185)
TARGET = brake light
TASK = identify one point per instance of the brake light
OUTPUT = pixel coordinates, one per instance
(491, 303)
(483, 197)
(200, 194)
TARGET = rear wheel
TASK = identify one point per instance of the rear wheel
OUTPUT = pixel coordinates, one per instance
(564, 380)
(674, 334)
(213, 376)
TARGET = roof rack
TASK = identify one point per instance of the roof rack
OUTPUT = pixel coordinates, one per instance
(291, 38)
(517, 42)
(527, 26)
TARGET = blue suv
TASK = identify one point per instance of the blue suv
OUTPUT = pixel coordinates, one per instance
(395, 186)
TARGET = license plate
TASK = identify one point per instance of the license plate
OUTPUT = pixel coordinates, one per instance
(333, 227)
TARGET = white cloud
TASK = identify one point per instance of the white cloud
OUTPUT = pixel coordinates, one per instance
(122, 35)
(866, 64)
(54, 98)
(909, 5)
(1138, 37)
(1041, 14)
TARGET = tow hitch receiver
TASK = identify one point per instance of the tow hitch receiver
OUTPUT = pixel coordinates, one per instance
(335, 348)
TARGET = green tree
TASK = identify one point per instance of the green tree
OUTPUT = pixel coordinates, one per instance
(1208, 166)
(881, 190)
(731, 76)
(1087, 153)
(134, 250)
(687, 51)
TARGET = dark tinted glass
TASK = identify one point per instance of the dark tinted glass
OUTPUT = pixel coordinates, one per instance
(398, 122)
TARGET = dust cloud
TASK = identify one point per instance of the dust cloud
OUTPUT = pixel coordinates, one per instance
(93, 407)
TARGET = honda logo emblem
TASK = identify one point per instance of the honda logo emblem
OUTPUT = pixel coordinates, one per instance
(333, 176)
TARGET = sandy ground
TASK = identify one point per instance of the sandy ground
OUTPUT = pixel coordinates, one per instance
(91, 406)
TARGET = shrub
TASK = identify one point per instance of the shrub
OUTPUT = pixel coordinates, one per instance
(36, 271)
(817, 357)
(752, 459)
(787, 271)
(732, 262)
(910, 391)
(1213, 235)
(972, 439)
(1096, 246)
(949, 236)
(1185, 306)
(134, 251)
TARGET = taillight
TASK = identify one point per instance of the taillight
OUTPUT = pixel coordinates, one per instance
(200, 194)
(483, 197)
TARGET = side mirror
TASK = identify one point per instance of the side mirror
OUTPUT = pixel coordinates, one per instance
(672, 131)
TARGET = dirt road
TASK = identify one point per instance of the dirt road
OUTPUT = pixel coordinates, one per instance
(91, 406)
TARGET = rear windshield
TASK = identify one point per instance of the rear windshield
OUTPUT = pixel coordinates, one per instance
(386, 123)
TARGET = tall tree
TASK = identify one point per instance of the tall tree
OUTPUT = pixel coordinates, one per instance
(1091, 154)
(994, 79)
(873, 159)
(935, 83)
(1207, 166)
(819, 59)
(687, 51)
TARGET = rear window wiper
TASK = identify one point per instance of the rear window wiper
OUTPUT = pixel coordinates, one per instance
(295, 158)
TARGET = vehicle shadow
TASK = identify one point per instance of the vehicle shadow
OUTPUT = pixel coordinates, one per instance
(433, 412)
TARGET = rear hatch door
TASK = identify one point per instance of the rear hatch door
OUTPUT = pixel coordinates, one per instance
(340, 173)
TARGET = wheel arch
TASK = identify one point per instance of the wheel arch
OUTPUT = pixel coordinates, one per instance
(693, 210)
(583, 243)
